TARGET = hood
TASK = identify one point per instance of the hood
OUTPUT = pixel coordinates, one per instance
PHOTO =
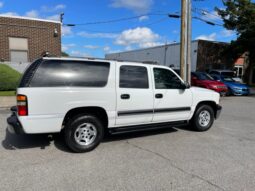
(202, 94)
(236, 84)
(213, 82)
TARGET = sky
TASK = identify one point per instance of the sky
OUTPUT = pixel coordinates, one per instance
(144, 23)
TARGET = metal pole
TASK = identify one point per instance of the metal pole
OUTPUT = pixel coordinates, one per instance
(183, 48)
(165, 53)
(61, 17)
(189, 38)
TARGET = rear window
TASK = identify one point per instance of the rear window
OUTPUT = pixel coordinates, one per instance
(58, 73)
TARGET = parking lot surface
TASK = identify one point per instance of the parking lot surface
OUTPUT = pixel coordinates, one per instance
(222, 158)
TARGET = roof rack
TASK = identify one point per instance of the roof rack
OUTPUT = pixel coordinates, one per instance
(48, 55)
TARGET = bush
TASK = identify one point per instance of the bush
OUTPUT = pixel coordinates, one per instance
(9, 78)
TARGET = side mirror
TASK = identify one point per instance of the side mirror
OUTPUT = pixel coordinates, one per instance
(185, 85)
(194, 78)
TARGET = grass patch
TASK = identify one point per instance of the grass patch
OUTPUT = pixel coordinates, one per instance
(9, 78)
(7, 93)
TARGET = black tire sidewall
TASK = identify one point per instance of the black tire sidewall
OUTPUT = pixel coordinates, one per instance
(74, 123)
(195, 119)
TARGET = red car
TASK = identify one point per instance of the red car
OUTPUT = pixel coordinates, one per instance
(204, 80)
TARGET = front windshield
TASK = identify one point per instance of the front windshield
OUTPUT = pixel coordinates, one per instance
(203, 76)
(230, 74)
(228, 79)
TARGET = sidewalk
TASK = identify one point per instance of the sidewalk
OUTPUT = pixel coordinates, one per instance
(7, 101)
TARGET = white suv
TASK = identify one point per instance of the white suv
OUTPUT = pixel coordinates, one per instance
(87, 97)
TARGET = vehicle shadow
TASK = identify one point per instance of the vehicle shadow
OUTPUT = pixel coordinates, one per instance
(132, 135)
(17, 142)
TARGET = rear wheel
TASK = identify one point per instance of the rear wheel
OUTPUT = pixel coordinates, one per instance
(203, 118)
(83, 133)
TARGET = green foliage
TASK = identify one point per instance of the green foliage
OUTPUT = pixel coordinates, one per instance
(64, 54)
(7, 93)
(239, 16)
(9, 78)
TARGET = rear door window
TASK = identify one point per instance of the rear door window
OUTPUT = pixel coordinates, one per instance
(59, 73)
(133, 77)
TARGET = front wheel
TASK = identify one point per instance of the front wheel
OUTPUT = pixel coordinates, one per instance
(83, 133)
(203, 118)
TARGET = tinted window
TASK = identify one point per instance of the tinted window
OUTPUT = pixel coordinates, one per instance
(214, 72)
(230, 74)
(133, 77)
(166, 79)
(215, 77)
(28, 74)
(55, 73)
(204, 76)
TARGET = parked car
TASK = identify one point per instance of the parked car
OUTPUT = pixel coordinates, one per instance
(86, 97)
(202, 79)
(228, 73)
(234, 88)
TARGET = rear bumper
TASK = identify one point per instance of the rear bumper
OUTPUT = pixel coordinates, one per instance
(14, 126)
(218, 111)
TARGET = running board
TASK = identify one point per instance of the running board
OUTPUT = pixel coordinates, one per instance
(144, 127)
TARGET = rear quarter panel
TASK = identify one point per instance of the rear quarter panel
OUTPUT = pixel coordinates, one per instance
(47, 107)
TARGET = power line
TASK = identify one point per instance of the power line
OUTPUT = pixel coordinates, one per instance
(206, 21)
(114, 20)
(156, 22)
(118, 31)
(204, 12)
(197, 18)
(207, 14)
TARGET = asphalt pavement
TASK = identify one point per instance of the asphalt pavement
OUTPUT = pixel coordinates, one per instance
(222, 158)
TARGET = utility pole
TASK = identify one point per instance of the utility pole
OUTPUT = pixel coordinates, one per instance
(185, 50)
(165, 51)
(184, 45)
(189, 17)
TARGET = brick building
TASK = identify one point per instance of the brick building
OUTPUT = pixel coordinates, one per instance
(24, 39)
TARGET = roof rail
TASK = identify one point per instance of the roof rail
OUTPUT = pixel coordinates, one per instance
(151, 62)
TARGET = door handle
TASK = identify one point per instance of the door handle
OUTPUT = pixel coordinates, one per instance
(124, 96)
(159, 96)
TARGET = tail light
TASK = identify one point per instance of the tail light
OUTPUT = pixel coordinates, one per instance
(22, 105)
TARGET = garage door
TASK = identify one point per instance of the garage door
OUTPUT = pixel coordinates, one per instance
(18, 49)
(18, 56)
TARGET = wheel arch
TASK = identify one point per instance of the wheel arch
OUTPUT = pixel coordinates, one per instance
(209, 103)
(92, 110)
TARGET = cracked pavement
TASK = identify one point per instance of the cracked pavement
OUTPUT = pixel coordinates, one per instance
(167, 159)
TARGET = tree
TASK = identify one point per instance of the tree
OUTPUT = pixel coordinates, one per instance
(64, 54)
(239, 16)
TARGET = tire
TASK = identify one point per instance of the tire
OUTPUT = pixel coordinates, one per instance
(83, 133)
(203, 118)
(230, 92)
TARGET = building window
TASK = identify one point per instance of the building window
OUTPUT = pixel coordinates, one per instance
(18, 49)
